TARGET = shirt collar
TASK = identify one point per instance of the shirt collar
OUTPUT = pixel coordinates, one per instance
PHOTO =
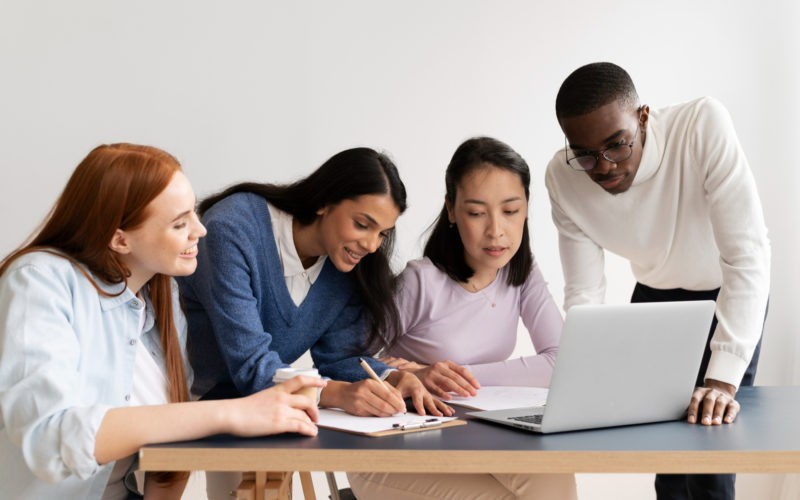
(114, 298)
(284, 238)
(127, 297)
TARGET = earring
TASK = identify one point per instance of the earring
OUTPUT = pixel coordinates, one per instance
(452, 225)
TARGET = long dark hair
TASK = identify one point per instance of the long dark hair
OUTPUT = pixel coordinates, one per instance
(345, 176)
(444, 246)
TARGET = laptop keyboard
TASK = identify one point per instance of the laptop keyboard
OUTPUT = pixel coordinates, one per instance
(529, 419)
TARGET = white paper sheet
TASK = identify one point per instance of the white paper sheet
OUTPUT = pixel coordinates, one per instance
(338, 419)
(501, 397)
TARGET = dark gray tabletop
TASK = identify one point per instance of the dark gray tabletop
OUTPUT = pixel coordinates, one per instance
(769, 422)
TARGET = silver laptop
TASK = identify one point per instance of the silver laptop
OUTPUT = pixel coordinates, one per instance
(619, 365)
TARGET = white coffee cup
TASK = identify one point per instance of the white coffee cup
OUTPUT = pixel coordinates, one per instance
(284, 374)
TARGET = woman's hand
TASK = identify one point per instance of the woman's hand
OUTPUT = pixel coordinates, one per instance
(401, 363)
(364, 398)
(124, 430)
(444, 377)
(424, 402)
(440, 378)
(276, 410)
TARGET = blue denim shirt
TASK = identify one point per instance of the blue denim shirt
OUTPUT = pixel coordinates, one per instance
(66, 357)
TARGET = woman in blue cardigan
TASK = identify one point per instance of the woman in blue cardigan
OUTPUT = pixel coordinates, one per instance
(291, 268)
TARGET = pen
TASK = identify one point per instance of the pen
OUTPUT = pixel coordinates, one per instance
(370, 371)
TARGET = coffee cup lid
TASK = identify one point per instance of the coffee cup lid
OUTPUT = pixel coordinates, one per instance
(283, 374)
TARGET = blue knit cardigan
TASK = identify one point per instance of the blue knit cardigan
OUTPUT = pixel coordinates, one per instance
(243, 324)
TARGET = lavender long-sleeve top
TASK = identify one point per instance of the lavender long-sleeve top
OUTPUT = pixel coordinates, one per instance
(442, 320)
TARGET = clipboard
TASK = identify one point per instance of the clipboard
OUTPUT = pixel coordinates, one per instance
(338, 420)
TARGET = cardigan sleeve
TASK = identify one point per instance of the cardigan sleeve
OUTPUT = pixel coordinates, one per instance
(223, 287)
(336, 353)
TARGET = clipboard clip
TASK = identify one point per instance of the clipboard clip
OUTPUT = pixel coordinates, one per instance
(431, 422)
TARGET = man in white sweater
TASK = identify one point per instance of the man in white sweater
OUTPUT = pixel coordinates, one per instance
(671, 191)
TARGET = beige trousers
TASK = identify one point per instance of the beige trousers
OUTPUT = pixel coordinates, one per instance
(395, 486)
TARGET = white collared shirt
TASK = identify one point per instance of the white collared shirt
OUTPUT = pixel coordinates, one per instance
(298, 279)
(150, 387)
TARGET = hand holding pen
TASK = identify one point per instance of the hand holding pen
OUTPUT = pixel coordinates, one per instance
(369, 397)
(410, 386)
(374, 396)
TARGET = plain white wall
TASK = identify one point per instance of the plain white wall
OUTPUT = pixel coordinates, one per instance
(268, 90)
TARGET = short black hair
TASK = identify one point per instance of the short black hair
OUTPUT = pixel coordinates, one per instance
(444, 246)
(592, 86)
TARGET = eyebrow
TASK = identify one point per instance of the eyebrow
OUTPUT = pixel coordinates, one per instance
(186, 212)
(607, 139)
(181, 215)
(480, 202)
(373, 221)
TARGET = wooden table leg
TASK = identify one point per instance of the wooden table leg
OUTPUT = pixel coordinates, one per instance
(278, 486)
(261, 483)
(273, 486)
(332, 486)
(247, 488)
(308, 485)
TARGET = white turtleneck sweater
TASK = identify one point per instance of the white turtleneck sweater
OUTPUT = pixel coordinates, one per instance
(692, 219)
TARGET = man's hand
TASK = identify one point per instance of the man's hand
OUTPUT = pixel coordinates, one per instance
(714, 404)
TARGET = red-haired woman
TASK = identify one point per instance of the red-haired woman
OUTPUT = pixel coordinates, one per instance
(92, 339)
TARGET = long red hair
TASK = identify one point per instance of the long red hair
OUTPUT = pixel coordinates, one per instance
(110, 189)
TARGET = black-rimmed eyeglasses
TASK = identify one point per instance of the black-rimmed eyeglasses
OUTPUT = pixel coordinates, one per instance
(617, 153)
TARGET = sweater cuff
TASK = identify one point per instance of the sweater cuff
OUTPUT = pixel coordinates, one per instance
(726, 367)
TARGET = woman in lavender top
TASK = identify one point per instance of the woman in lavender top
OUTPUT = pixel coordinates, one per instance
(460, 306)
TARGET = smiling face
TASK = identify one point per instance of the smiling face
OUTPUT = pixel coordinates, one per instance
(352, 229)
(490, 210)
(605, 127)
(166, 242)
